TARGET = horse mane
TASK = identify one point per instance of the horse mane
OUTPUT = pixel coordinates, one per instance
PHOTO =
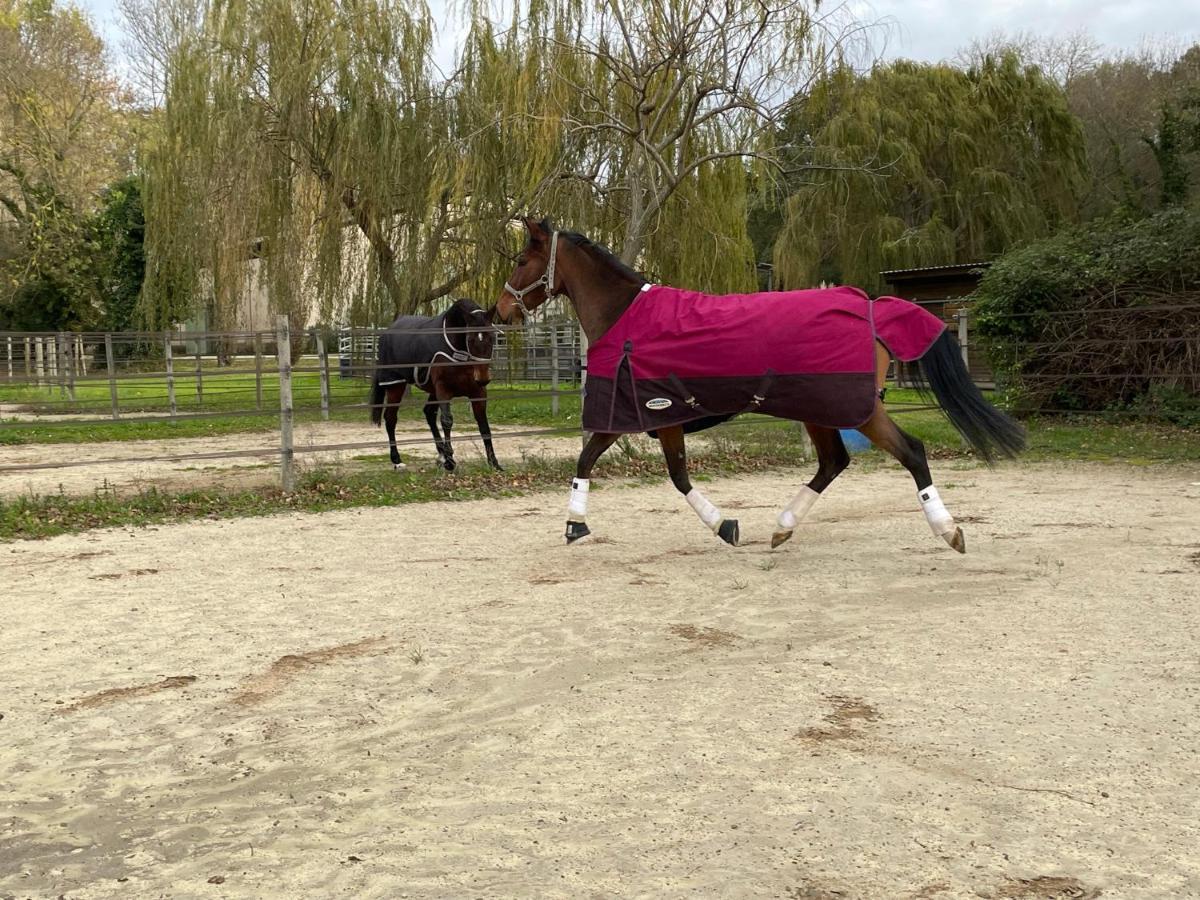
(459, 310)
(598, 251)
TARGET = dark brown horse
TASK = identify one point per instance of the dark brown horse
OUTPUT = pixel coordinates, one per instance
(842, 329)
(447, 356)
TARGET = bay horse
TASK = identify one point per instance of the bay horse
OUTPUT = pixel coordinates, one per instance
(447, 356)
(668, 362)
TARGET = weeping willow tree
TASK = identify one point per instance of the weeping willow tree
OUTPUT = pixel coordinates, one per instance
(926, 164)
(639, 121)
(315, 137)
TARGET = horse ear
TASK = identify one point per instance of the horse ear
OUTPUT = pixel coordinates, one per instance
(536, 228)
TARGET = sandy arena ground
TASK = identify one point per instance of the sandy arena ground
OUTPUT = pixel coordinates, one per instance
(443, 701)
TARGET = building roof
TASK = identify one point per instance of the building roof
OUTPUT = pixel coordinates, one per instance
(934, 271)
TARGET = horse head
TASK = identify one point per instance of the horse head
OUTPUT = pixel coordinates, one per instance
(469, 319)
(534, 280)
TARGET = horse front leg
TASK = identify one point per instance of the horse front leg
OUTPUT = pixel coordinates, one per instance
(832, 460)
(479, 408)
(446, 416)
(676, 456)
(577, 508)
(431, 411)
(391, 410)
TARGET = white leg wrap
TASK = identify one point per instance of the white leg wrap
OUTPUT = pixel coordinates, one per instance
(577, 508)
(936, 514)
(709, 514)
(795, 511)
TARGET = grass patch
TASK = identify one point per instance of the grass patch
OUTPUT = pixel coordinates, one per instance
(751, 444)
(326, 489)
(233, 411)
(1079, 438)
(528, 405)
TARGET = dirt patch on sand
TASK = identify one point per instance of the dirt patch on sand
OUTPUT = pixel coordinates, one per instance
(703, 636)
(117, 695)
(1046, 887)
(287, 668)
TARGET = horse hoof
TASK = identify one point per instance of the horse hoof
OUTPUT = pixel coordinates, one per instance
(957, 540)
(728, 532)
(496, 465)
(450, 464)
(780, 537)
(576, 530)
(399, 466)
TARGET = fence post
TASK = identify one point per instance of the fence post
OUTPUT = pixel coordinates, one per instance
(199, 378)
(283, 353)
(323, 363)
(806, 443)
(68, 346)
(28, 359)
(82, 356)
(110, 361)
(60, 363)
(170, 372)
(39, 349)
(258, 370)
(554, 370)
(10, 358)
(962, 337)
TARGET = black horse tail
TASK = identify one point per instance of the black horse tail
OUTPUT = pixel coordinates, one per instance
(989, 431)
(376, 400)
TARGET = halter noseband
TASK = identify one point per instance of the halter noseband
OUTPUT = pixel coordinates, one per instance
(466, 355)
(546, 281)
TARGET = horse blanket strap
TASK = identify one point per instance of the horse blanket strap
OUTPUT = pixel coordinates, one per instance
(412, 343)
(677, 357)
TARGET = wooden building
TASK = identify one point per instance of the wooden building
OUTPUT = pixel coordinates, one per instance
(944, 291)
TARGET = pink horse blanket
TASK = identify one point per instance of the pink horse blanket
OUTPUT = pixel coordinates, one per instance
(677, 356)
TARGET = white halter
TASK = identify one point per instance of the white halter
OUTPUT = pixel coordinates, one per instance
(546, 281)
(466, 355)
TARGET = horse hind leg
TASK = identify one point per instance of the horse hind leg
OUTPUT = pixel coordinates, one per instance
(832, 460)
(395, 394)
(910, 452)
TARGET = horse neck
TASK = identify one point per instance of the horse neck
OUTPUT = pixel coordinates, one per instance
(599, 292)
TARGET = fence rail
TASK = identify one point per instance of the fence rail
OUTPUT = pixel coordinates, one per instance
(98, 378)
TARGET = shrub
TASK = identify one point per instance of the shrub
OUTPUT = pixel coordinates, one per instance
(1100, 316)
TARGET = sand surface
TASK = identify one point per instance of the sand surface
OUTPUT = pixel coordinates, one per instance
(443, 701)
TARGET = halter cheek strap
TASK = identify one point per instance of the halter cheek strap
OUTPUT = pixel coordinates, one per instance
(546, 281)
(465, 355)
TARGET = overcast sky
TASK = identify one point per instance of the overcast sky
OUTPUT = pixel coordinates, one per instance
(932, 30)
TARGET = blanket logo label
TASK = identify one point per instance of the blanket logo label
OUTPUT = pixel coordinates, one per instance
(658, 403)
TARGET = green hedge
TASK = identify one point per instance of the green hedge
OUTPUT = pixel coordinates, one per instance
(1100, 317)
